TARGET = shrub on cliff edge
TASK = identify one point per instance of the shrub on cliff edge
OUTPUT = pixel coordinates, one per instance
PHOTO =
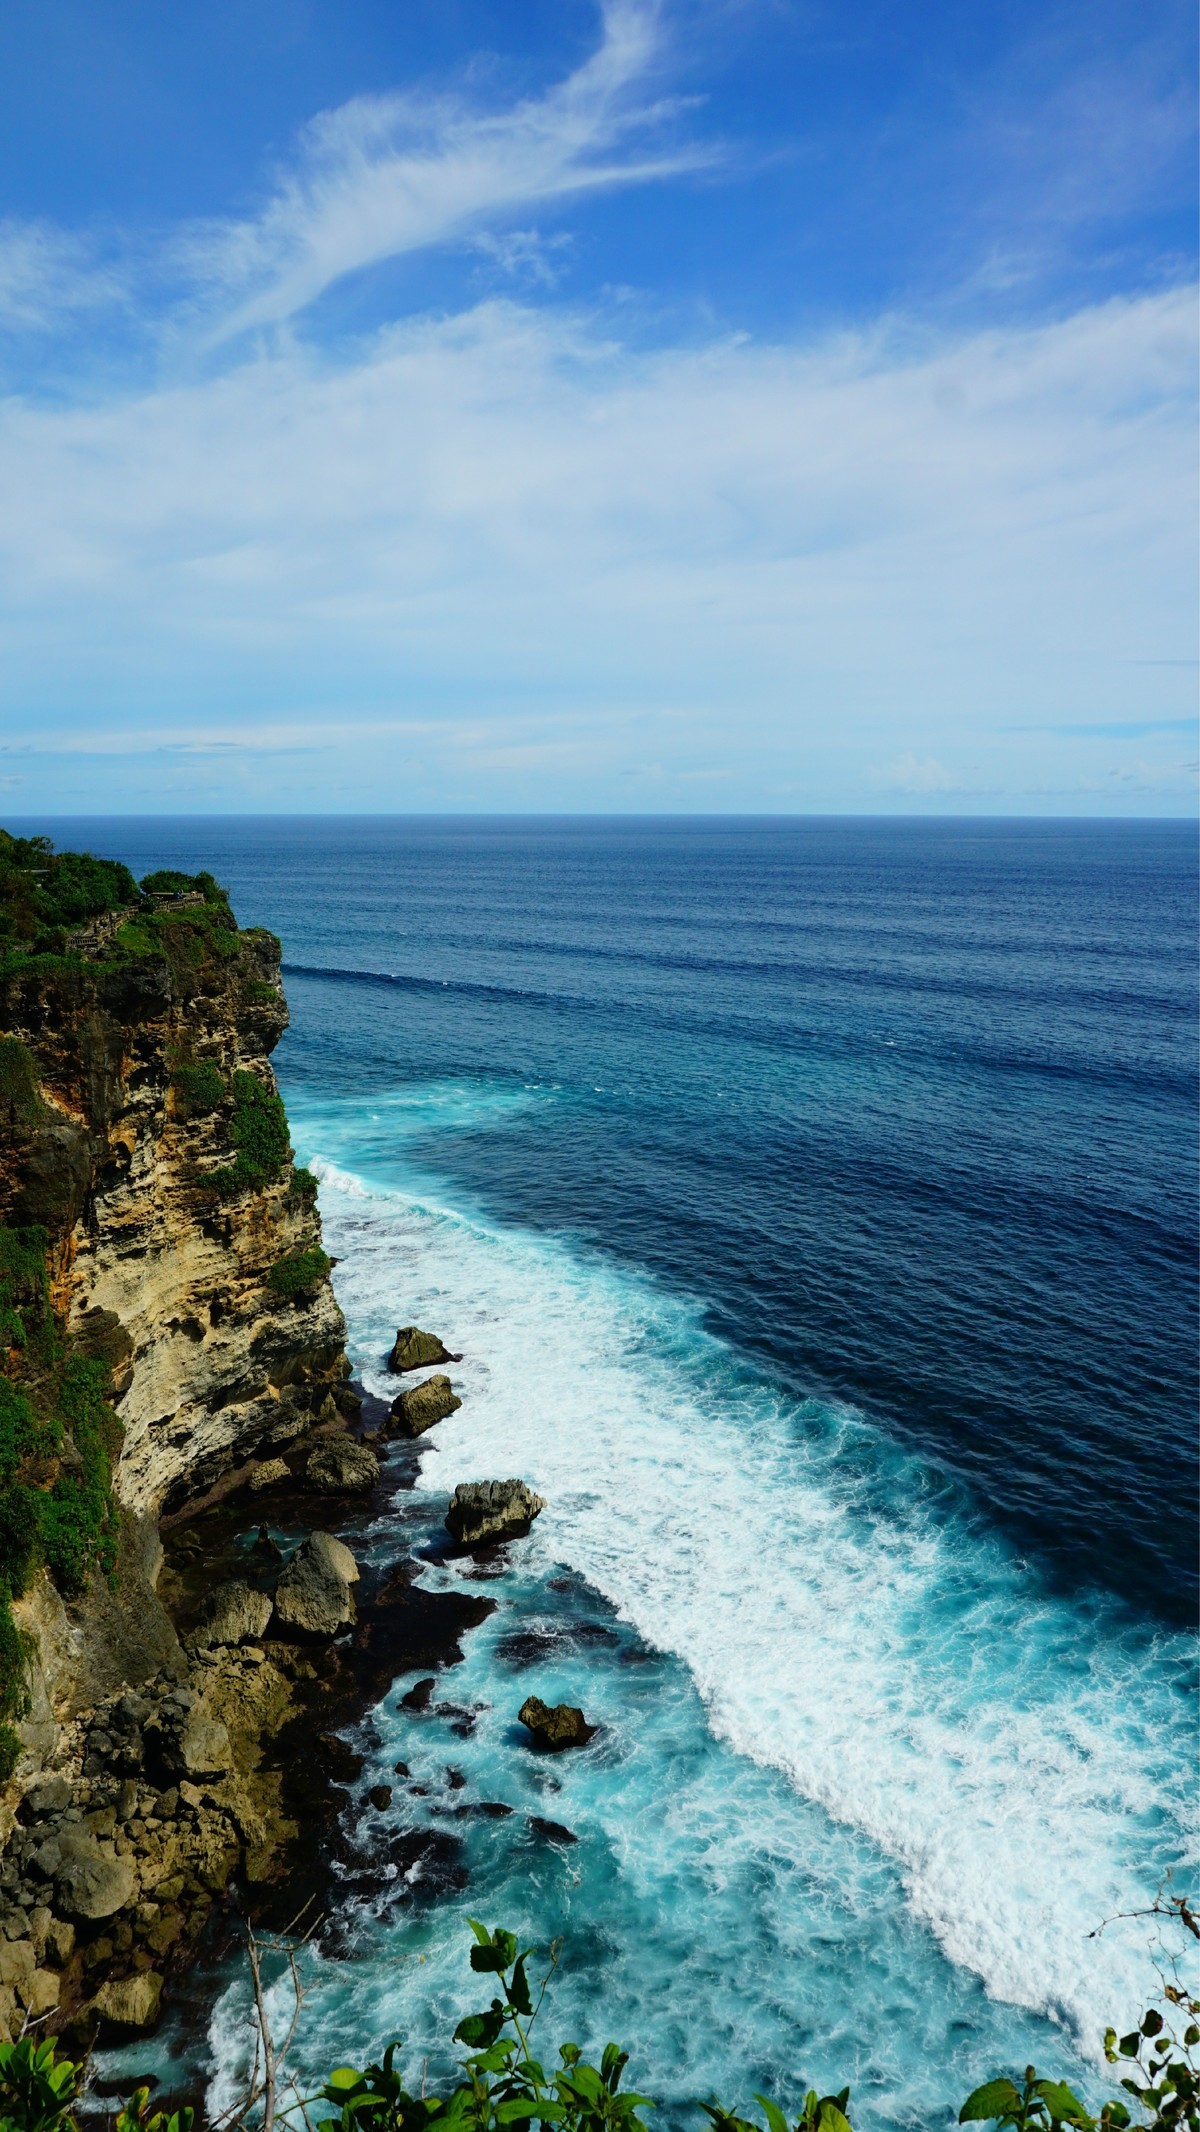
(299, 1272)
(198, 1087)
(260, 1139)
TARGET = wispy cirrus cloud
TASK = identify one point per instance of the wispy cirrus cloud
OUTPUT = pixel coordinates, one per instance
(46, 275)
(386, 175)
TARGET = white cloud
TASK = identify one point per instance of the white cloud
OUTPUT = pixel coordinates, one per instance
(813, 546)
(46, 274)
(386, 175)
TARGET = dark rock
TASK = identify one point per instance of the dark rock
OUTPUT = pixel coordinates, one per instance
(551, 1831)
(380, 1795)
(492, 1510)
(554, 1729)
(413, 1349)
(527, 1647)
(418, 1697)
(400, 1768)
(337, 1759)
(455, 1779)
(50, 1795)
(417, 1410)
(461, 1722)
(339, 1466)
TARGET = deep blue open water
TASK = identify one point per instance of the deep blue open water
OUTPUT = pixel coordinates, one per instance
(814, 1203)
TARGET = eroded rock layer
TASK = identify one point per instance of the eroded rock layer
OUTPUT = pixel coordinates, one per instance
(154, 1269)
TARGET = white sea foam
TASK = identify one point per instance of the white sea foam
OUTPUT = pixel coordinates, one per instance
(862, 1702)
(1018, 1760)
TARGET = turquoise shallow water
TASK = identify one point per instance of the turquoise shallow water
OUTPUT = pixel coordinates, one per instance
(812, 1206)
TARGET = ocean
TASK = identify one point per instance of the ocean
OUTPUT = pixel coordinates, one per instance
(813, 1202)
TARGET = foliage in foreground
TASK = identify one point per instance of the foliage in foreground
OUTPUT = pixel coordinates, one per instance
(505, 2084)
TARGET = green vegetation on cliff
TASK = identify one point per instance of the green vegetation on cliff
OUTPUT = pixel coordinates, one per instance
(58, 1439)
(299, 1272)
(43, 893)
(21, 1104)
(46, 896)
(260, 1139)
(198, 1089)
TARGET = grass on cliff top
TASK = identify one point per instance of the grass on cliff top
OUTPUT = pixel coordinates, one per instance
(45, 895)
(44, 892)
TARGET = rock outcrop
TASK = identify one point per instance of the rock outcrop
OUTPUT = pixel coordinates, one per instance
(492, 1510)
(314, 1594)
(413, 1349)
(233, 1613)
(417, 1410)
(557, 1727)
(130, 2002)
(339, 1466)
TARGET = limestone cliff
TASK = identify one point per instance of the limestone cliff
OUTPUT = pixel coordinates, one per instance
(147, 1185)
(148, 1266)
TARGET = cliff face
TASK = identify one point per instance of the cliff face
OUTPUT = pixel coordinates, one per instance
(166, 1327)
(143, 1045)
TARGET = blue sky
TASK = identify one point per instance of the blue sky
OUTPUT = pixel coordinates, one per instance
(707, 405)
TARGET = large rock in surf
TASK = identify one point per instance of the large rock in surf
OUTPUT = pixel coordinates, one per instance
(562, 1726)
(313, 1594)
(339, 1466)
(413, 1349)
(414, 1412)
(130, 2002)
(492, 1510)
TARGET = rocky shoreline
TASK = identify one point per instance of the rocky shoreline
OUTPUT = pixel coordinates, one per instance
(184, 1633)
(214, 1791)
(187, 1471)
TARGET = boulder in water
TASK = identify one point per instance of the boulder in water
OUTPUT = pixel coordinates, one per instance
(130, 2002)
(492, 1510)
(413, 1349)
(414, 1412)
(562, 1726)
